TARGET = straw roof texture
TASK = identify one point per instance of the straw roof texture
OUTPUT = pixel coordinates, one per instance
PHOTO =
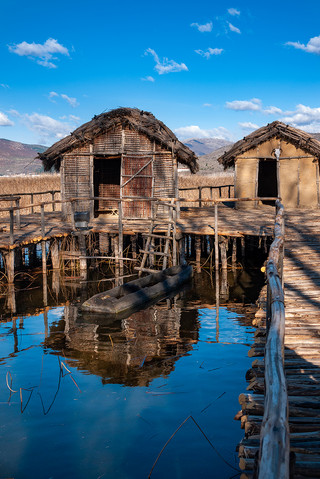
(141, 121)
(277, 129)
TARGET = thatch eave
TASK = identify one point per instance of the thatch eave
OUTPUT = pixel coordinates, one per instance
(300, 139)
(138, 120)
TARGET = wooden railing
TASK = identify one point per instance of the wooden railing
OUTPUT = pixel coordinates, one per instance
(199, 189)
(17, 197)
(274, 436)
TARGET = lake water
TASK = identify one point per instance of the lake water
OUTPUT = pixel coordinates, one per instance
(86, 397)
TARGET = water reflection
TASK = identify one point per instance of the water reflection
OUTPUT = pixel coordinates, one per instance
(131, 351)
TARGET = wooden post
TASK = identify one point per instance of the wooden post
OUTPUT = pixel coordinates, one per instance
(54, 251)
(216, 240)
(120, 246)
(44, 257)
(11, 304)
(234, 252)
(45, 289)
(18, 219)
(133, 240)
(224, 278)
(9, 260)
(45, 320)
(198, 253)
(32, 208)
(11, 227)
(243, 247)
(52, 198)
(200, 196)
(83, 252)
(43, 233)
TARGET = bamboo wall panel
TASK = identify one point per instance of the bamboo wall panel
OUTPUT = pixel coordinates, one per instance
(76, 177)
(110, 141)
(163, 180)
(135, 142)
(308, 183)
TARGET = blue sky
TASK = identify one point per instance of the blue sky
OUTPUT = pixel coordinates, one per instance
(204, 68)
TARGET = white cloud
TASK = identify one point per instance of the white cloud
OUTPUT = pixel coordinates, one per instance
(166, 66)
(48, 129)
(207, 27)
(313, 45)
(4, 85)
(247, 125)
(72, 101)
(148, 78)
(233, 28)
(233, 11)
(207, 104)
(244, 105)
(273, 110)
(194, 131)
(4, 120)
(42, 53)
(209, 52)
(304, 117)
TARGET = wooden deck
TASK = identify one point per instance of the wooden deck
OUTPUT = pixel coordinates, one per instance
(302, 352)
(199, 221)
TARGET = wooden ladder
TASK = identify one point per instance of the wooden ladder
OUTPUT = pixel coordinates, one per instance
(170, 237)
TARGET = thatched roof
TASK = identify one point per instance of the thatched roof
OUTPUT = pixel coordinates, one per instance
(300, 139)
(138, 120)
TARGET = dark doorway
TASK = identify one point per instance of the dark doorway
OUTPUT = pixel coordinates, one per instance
(267, 180)
(106, 183)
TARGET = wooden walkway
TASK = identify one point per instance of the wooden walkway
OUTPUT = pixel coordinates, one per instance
(302, 352)
(195, 220)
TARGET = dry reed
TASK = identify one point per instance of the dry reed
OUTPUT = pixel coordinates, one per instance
(30, 184)
(221, 179)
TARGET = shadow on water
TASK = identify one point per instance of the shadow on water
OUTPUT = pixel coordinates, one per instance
(109, 393)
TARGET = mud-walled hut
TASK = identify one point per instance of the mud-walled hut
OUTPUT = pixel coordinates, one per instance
(124, 153)
(276, 160)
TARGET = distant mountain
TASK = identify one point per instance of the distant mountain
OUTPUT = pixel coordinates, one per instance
(17, 158)
(203, 146)
(316, 136)
(209, 163)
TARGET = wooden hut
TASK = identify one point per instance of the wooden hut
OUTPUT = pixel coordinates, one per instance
(276, 160)
(123, 153)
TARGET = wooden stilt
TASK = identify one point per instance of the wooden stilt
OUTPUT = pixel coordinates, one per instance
(198, 253)
(83, 253)
(133, 239)
(54, 252)
(9, 262)
(243, 247)
(44, 257)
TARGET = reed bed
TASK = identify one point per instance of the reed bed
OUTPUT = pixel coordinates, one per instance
(30, 184)
(205, 182)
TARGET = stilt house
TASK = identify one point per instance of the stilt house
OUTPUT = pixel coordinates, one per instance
(124, 153)
(276, 160)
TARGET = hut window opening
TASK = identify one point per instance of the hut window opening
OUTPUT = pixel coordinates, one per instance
(267, 179)
(107, 173)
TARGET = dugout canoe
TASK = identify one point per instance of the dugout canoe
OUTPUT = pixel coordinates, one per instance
(139, 293)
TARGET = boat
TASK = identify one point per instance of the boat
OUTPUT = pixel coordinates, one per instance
(139, 293)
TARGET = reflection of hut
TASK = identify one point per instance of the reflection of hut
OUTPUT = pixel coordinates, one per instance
(123, 153)
(132, 351)
(276, 160)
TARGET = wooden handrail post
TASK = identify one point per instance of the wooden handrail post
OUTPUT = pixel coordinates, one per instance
(18, 219)
(120, 244)
(42, 221)
(52, 197)
(11, 226)
(200, 196)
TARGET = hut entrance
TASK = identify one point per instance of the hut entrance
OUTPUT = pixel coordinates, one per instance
(106, 183)
(267, 179)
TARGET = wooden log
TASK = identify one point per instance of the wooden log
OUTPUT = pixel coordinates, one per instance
(44, 257)
(198, 253)
(54, 252)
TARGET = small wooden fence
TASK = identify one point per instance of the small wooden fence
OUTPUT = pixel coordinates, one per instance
(274, 436)
(215, 192)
